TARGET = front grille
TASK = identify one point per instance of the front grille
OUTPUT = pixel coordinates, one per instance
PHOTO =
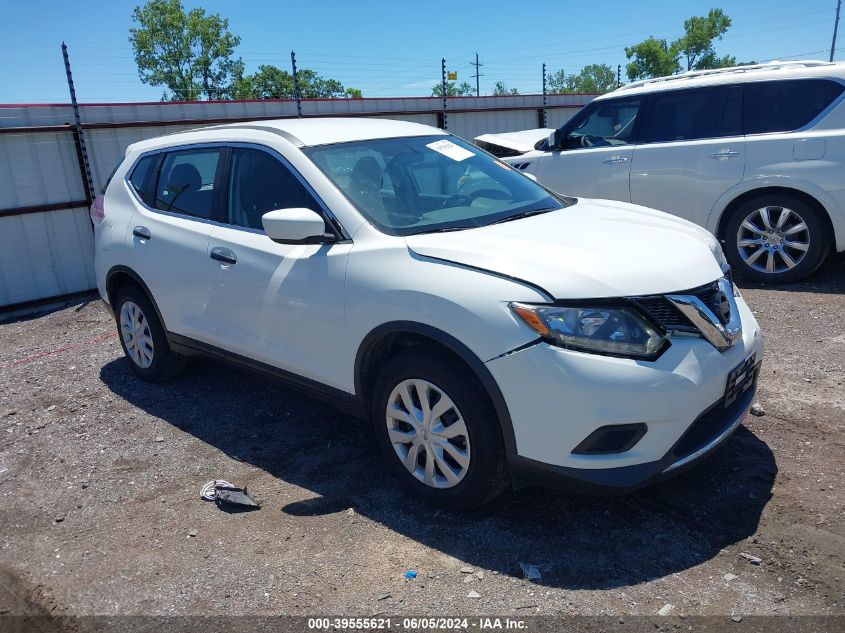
(664, 311)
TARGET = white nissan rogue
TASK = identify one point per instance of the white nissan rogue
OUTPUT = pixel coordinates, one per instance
(494, 332)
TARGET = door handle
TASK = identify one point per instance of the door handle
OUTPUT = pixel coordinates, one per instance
(725, 154)
(615, 159)
(223, 255)
(141, 232)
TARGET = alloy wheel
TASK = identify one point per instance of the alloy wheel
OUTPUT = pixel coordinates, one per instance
(773, 239)
(428, 433)
(135, 331)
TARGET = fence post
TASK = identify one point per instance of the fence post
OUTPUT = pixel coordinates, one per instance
(79, 137)
(295, 84)
(544, 117)
(443, 85)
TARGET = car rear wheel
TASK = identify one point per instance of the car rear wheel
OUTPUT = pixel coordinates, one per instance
(143, 338)
(775, 238)
(438, 431)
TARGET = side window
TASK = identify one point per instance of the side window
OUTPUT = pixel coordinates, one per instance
(684, 115)
(143, 178)
(186, 182)
(258, 183)
(607, 123)
(783, 106)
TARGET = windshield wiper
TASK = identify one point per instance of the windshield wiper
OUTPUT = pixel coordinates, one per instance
(524, 214)
(447, 229)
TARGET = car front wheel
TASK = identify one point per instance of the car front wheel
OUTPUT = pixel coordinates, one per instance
(438, 431)
(776, 239)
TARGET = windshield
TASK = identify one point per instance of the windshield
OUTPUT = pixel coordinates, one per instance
(422, 184)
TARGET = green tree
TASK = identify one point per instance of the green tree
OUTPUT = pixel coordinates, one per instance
(593, 79)
(271, 82)
(696, 45)
(453, 89)
(651, 58)
(189, 53)
(501, 89)
(656, 58)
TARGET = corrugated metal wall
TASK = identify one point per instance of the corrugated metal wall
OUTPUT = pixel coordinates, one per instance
(46, 245)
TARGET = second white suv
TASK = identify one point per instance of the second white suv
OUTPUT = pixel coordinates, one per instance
(755, 154)
(494, 332)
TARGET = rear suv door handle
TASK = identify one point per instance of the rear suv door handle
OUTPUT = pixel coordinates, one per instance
(141, 232)
(725, 154)
(223, 255)
(615, 159)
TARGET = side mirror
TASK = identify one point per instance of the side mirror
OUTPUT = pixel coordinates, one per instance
(554, 140)
(294, 226)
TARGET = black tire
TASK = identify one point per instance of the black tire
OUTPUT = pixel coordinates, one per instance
(487, 475)
(165, 362)
(819, 241)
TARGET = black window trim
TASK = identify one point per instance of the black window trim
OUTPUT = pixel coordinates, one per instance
(810, 124)
(219, 212)
(649, 104)
(332, 223)
(595, 104)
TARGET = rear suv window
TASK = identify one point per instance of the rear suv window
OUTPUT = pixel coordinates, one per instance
(684, 115)
(783, 106)
(143, 178)
(186, 182)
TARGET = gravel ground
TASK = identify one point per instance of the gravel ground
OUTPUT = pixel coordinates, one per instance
(100, 475)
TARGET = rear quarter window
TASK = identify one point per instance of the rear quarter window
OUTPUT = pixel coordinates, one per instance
(142, 179)
(784, 106)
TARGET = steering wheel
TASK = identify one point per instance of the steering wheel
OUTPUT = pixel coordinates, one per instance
(588, 140)
(457, 200)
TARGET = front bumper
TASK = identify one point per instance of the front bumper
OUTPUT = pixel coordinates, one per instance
(720, 422)
(556, 398)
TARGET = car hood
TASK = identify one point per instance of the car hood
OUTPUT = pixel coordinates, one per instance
(591, 249)
(523, 141)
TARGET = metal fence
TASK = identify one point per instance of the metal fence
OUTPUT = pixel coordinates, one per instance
(46, 242)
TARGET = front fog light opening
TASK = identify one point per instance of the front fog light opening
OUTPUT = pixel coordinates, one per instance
(611, 439)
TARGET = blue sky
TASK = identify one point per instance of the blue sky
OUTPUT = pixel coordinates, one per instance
(390, 48)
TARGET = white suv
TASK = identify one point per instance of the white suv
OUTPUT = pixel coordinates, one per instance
(494, 332)
(756, 154)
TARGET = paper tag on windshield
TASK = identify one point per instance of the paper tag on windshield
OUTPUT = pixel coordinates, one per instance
(448, 148)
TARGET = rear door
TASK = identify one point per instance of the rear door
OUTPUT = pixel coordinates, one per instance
(596, 159)
(690, 150)
(169, 233)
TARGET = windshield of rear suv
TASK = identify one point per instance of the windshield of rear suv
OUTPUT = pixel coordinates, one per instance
(422, 184)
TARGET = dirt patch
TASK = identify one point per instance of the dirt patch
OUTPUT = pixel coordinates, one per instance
(100, 476)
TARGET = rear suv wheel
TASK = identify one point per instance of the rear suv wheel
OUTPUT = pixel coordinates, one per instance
(438, 431)
(143, 338)
(775, 238)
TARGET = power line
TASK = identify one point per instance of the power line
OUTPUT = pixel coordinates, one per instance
(477, 65)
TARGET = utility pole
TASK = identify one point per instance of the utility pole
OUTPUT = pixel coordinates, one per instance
(618, 75)
(477, 75)
(295, 84)
(443, 86)
(835, 28)
(80, 138)
(545, 118)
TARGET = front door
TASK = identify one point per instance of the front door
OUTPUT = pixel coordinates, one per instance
(596, 157)
(279, 304)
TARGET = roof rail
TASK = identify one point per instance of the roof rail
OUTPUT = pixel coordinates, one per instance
(692, 74)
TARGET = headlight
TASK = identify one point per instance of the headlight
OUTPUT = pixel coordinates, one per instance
(719, 254)
(604, 330)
